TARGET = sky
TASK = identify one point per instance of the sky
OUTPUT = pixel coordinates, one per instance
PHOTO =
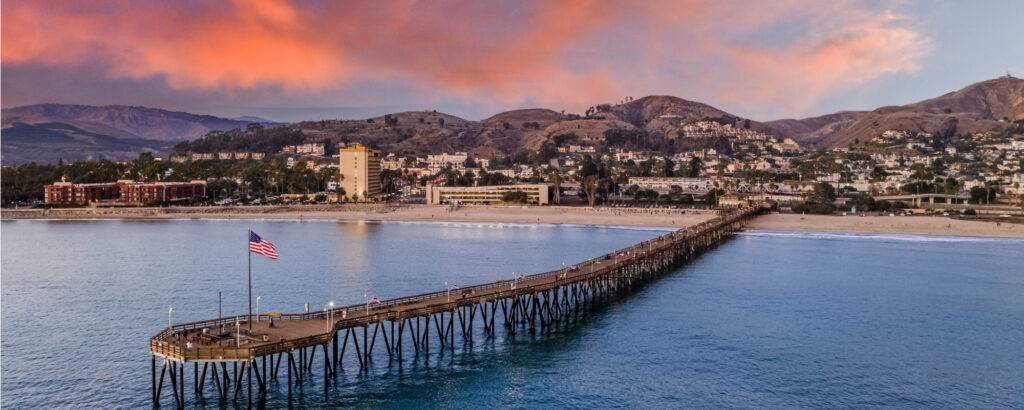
(294, 60)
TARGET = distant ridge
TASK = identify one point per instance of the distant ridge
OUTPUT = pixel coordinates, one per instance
(979, 107)
(138, 122)
(91, 132)
(651, 122)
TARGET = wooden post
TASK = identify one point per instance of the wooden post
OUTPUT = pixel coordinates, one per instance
(152, 369)
(249, 376)
(181, 385)
(327, 368)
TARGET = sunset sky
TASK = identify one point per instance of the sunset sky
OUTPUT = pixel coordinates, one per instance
(309, 60)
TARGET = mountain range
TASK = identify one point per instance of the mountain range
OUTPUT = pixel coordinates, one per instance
(984, 106)
(49, 132)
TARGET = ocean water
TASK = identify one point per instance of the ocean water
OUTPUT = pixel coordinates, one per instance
(769, 319)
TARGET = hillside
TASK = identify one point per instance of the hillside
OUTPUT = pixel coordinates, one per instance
(980, 107)
(654, 120)
(123, 121)
(53, 142)
(649, 110)
(99, 128)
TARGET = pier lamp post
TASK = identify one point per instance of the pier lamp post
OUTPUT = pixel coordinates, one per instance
(238, 333)
(366, 299)
(170, 309)
(258, 297)
(330, 314)
(449, 291)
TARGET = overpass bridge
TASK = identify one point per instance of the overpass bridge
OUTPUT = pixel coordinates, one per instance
(226, 354)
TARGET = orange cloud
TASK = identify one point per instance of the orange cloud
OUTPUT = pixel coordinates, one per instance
(248, 44)
(795, 77)
(568, 53)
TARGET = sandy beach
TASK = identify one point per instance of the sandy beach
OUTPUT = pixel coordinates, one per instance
(663, 218)
(911, 225)
(635, 217)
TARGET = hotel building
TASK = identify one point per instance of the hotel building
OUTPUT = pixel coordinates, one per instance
(360, 172)
(536, 194)
(123, 193)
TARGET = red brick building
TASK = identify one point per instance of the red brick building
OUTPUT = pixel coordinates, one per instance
(123, 193)
(66, 193)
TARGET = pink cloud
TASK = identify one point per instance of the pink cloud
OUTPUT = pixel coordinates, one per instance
(795, 76)
(563, 54)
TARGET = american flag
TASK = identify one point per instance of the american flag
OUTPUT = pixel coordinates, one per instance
(260, 246)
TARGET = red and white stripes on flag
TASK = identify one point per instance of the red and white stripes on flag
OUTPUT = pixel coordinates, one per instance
(259, 246)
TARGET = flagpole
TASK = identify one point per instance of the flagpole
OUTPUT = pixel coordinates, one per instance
(249, 253)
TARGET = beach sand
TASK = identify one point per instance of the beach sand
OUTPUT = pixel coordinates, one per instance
(635, 217)
(912, 225)
(353, 212)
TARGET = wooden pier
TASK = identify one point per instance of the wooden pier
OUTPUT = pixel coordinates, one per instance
(228, 355)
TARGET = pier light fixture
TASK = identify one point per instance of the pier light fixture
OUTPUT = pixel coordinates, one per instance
(330, 314)
(170, 310)
(258, 297)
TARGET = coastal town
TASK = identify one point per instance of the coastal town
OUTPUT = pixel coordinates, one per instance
(897, 171)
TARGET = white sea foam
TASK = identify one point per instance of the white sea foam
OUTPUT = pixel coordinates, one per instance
(838, 236)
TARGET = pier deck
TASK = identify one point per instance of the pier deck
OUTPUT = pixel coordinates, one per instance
(542, 297)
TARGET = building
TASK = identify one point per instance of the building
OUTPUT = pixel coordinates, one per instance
(392, 162)
(360, 172)
(456, 160)
(665, 184)
(314, 149)
(733, 201)
(536, 194)
(68, 194)
(132, 193)
(123, 193)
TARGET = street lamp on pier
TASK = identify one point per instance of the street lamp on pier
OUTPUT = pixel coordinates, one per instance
(330, 314)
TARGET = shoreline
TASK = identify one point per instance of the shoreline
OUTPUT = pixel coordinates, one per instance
(549, 215)
(553, 215)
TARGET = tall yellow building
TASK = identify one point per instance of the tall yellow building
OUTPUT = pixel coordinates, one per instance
(360, 172)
